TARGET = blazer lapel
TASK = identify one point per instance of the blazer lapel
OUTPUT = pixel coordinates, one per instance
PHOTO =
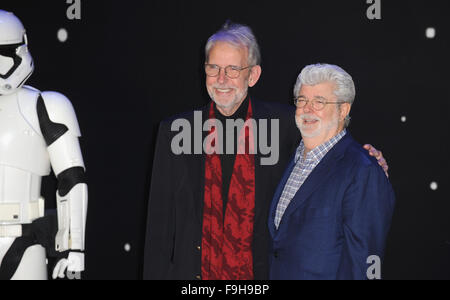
(276, 197)
(260, 177)
(197, 178)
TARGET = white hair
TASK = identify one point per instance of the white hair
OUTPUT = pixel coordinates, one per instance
(238, 35)
(345, 90)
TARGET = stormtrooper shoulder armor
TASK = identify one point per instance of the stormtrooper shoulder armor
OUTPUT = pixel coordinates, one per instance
(60, 130)
(56, 116)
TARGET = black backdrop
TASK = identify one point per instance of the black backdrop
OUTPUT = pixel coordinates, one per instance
(129, 64)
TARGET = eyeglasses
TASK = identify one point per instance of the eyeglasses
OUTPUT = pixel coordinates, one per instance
(317, 103)
(232, 72)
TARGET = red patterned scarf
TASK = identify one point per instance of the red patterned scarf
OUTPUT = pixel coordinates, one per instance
(227, 242)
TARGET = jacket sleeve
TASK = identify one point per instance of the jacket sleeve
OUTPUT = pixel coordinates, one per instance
(367, 212)
(160, 220)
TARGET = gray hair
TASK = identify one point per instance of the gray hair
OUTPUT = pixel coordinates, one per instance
(238, 35)
(315, 74)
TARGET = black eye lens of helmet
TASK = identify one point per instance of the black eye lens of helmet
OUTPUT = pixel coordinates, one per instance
(9, 50)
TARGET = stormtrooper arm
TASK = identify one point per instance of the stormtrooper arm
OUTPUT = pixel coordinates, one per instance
(59, 127)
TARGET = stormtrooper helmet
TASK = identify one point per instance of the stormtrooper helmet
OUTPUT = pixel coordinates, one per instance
(16, 63)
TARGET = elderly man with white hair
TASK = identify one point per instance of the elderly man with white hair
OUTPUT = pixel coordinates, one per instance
(332, 210)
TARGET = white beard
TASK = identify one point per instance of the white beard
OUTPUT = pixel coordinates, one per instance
(239, 96)
(321, 126)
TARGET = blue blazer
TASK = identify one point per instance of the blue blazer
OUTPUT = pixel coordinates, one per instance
(336, 221)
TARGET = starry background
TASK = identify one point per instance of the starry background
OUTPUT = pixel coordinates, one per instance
(128, 65)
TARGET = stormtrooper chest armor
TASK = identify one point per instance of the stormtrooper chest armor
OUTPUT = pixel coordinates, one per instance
(24, 159)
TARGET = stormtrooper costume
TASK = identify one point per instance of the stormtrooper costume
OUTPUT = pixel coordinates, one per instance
(38, 131)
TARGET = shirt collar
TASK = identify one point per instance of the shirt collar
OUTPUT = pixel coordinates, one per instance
(320, 151)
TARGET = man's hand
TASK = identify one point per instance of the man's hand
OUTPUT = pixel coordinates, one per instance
(74, 263)
(379, 156)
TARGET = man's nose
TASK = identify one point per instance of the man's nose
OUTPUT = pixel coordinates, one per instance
(222, 78)
(308, 107)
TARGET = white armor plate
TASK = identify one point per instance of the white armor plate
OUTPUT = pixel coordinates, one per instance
(24, 159)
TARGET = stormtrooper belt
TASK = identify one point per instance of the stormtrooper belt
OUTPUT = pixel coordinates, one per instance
(14, 256)
(40, 232)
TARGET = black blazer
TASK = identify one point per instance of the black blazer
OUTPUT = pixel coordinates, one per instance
(174, 230)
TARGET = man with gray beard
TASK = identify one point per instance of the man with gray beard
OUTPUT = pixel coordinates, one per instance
(332, 210)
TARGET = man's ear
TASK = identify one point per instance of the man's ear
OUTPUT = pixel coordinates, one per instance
(255, 74)
(344, 111)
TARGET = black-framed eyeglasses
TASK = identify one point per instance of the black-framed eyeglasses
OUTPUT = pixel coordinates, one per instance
(232, 72)
(317, 103)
